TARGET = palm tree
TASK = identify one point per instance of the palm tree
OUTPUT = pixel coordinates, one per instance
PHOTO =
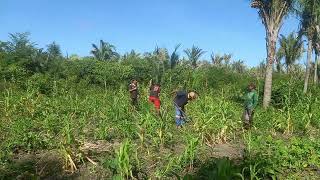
(291, 49)
(316, 41)
(194, 55)
(308, 27)
(278, 62)
(317, 56)
(132, 55)
(272, 14)
(238, 66)
(227, 59)
(161, 56)
(174, 58)
(216, 59)
(104, 52)
(54, 50)
(261, 69)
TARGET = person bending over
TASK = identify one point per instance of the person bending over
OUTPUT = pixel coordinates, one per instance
(181, 99)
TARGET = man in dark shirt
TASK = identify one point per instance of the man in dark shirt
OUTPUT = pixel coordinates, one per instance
(133, 89)
(154, 96)
(181, 99)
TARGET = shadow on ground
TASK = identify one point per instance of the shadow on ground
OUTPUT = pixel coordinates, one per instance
(48, 166)
(216, 169)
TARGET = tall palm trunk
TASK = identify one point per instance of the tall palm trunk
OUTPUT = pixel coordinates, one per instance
(271, 50)
(315, 78)
(307, 75)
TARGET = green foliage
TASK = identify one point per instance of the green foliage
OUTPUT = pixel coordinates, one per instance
(274, 156)
(174, 58)
(104, 52)
(122, 162)
(97, 72)
(62, 104)
(286, 90)
(194, 55)
(40, 83)
(291, 50)
(54, 51)
(143, 69)
(223, 169)
(14, 73)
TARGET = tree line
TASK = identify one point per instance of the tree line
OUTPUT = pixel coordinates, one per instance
(20, 57)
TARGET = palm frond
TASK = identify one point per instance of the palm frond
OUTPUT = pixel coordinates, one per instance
(105, 51)
(194, 55)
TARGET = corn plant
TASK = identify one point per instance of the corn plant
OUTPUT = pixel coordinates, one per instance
(68, 130)
(171, 165)
(69, 163)
(253, 172)
(7, 102)
(123, 160)
(189, 154)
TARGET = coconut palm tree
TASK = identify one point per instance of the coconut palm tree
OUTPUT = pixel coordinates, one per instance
(316, 41)
(317, 56)
(104, 52)
(194, 55)
(291, 49)
(272, 14)
(308, 10)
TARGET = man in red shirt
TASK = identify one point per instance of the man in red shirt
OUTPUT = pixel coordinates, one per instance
(154, 96)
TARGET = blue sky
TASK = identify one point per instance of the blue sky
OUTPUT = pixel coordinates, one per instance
(221, 26)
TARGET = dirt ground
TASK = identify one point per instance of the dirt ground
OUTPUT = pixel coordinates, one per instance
(55, 164)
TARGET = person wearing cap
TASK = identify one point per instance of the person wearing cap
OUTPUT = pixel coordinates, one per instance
(133, 90)
(154, 96)
(250, 103)
(181, 99)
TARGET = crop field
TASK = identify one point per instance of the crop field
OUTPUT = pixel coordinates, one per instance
(96, 133)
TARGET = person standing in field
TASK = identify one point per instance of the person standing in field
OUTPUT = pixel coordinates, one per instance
(154, 96)
(181, 99)
(134, 93)
(250, 103)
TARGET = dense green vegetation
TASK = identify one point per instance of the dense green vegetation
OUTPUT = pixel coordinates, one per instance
(70, 117)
